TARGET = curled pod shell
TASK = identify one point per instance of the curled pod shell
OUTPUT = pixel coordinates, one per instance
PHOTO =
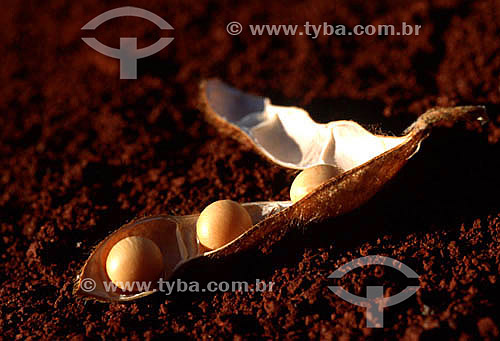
(288, 137)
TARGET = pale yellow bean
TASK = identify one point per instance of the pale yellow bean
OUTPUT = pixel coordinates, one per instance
(134, 259)
(310, 178)
(221, 222)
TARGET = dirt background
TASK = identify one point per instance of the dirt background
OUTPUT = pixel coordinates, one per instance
(83, 152)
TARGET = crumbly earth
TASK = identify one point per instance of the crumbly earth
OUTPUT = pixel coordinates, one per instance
(83, 152)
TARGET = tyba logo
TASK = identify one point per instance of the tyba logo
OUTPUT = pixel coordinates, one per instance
(375, 302)
(128, 52)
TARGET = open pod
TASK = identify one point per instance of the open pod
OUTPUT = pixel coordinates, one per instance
(174, 235)
(286, 136)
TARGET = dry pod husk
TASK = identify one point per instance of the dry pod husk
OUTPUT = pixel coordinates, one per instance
(288, 137)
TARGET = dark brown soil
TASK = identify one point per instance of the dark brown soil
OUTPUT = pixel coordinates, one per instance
(82, 152)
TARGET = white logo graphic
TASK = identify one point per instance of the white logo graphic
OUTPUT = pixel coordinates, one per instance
(128, 52)
(375, 302)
